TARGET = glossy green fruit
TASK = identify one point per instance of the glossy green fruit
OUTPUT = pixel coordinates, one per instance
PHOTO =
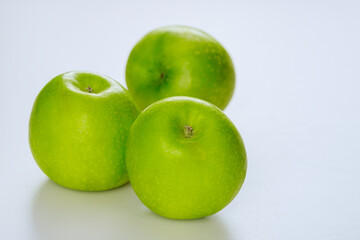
(78, 130)
(180, 61)
(185, 158)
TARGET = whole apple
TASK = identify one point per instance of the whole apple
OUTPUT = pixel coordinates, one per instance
(78, 130)
(185, 158)
(180, 61)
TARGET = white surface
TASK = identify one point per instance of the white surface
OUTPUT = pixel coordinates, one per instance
(296, 105)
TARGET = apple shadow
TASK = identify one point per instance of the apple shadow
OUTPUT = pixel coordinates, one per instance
(60, 213)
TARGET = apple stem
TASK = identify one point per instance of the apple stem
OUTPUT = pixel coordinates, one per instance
(188, 131)
(89, 89)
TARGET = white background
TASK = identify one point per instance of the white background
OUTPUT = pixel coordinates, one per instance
(296, 105)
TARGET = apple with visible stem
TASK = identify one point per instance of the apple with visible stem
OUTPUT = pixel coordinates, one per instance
(180, 61)
(78, 130)
(185, 158)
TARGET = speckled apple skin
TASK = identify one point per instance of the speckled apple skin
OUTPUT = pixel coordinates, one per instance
(78, 138)
(180, 61)
(185, 178)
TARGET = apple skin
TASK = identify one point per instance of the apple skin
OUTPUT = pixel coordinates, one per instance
(78, 137)
(180, 175)
(180, 61)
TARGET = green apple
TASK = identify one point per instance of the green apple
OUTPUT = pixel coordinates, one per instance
(78, 130)
(185, 158)
(180, 61)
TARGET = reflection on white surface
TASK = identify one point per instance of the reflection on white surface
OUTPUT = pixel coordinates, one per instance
(60, 213)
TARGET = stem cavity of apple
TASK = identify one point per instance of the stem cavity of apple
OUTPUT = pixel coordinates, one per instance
(188, 131)
(89, 89)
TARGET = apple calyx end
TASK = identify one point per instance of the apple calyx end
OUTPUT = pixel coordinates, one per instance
(89, 89)
(188, 131)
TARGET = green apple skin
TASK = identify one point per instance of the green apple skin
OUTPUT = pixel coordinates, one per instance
(180, 175)
(180, 61)
(78, 135)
